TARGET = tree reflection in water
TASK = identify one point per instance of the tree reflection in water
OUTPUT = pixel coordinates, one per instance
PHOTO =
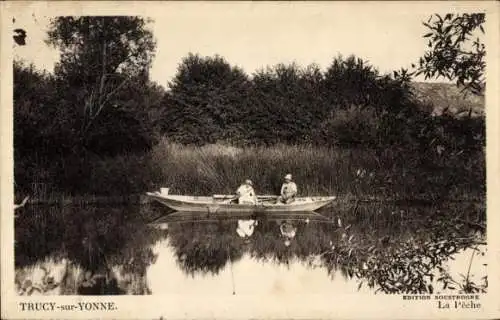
(205, 247)
(91, 250)
(389, 248)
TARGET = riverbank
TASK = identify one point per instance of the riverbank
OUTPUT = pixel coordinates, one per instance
(141, 199)
(350, 174)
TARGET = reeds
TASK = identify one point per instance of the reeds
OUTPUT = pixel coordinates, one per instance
(349, 173)
(356, 173)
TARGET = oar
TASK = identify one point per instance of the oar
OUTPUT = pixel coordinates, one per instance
(227, 196)
(269, 197)
(228, 201)
(222, 196)
(232, 275)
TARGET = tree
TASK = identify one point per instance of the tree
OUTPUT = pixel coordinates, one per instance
(39, 133)
(456, 51)
(206, 101)
(93, 48)
(287, 102)
(350, 81)
(103, 59)
(99, 56)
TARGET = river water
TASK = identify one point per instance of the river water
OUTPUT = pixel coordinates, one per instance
(368, 248)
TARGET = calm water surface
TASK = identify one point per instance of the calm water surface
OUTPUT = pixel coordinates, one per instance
(349, 248)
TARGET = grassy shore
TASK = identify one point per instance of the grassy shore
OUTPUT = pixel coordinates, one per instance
(347, 173)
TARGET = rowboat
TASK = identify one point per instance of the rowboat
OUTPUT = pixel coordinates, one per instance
(221, 203)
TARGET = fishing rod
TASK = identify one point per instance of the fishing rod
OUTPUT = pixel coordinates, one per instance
(232, 274)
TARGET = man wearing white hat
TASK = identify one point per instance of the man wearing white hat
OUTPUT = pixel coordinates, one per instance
(288, 190)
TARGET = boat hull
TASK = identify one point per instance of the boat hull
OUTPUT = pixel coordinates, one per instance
(214, 205)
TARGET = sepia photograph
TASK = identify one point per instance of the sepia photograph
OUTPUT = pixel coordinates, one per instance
(246, 149)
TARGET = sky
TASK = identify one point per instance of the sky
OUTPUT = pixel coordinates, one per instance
(255, 35)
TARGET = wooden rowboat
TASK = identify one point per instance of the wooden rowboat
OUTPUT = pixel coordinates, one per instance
(220, 203)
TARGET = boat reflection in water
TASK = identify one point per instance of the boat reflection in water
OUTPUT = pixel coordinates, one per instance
(76, 250)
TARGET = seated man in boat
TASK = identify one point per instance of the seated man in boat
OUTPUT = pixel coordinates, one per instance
(288, 190)
(246, 194)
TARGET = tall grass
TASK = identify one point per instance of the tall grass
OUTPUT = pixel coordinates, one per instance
(216, 168)
(348, 173)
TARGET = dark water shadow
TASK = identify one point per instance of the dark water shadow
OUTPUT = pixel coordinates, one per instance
(108, 250)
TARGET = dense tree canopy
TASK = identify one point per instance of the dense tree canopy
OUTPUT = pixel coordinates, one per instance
(95, 47)
(289, 96)
(206, 101)
(104, 62)
(211, 101)
(100, 103)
